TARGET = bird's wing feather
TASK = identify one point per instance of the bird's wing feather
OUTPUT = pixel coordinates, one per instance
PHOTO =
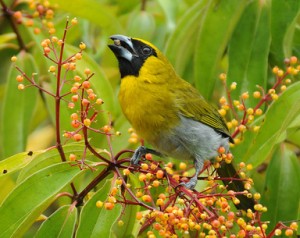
(194, 106)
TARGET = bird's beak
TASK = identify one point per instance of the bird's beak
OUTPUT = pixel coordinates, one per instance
(123, 47)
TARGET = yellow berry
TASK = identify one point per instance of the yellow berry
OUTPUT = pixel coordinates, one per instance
(87, 122)
(258, 112)
(250, 111)
(222, 100)
(182, 166)
(222, 76)
(52, 69)
(99, 204)
(294, 225)
(82, 46)
(13, 59)
(74, 21)
(21, 86)
(278, 232)
(275, 70)
(256, 196)
(256, 94)
(233, 86)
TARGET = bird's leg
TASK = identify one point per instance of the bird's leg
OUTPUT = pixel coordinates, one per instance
(140, 152)
(193, 181)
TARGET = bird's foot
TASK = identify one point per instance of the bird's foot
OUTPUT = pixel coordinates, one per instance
(140, 152)
(190, 184)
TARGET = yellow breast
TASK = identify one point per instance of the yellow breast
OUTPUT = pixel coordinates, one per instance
(148, 105)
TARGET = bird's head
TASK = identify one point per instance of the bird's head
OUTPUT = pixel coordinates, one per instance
(137, 57)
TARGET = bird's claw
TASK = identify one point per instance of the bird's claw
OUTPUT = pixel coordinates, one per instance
(140, 152)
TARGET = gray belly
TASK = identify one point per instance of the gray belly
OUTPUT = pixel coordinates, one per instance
(191, 140)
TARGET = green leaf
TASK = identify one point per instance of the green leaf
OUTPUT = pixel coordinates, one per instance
(216, 28)
(281, 195)
(277, 120)
(15, 123)
(16, 162)
(284, 15)
(248, 51)
(60, 224)
(92, 10)
(31, 197)
(4, 38)
(50, 157)
(179, 42)
(131, 227)
(97, 222)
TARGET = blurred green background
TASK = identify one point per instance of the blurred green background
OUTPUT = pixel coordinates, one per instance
(244, 38)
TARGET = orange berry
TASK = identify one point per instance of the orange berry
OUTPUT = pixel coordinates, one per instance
(146, 198)
(221, 150)
(289, 232)
(20, 78)
(74, 90)
(71, 105)
(139, 194)
(160, 174)
(74, 98)
(86, 84)
(245, 95)
(109, 205)
(106, 128)
(126, 171)
(258, 112)
(77, 78)
(75, 123)
(72, 157)
(17, 14)
(77, 137)
(139, 215)
(87, 71)
(85, 102)
(293, 60)
(215, 223)
(155, 183)
(78, 56)
(148, 156)
(47, 50)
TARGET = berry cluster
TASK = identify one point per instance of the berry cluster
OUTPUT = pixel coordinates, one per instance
(244, 116)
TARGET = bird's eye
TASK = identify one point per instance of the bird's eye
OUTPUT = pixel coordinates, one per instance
(146, 51)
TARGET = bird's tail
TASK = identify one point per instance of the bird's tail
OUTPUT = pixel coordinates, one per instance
(236, 184)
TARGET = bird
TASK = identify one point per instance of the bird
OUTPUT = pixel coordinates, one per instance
(169, 113)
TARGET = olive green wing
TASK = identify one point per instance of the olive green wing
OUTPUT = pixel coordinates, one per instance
(193, 105)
